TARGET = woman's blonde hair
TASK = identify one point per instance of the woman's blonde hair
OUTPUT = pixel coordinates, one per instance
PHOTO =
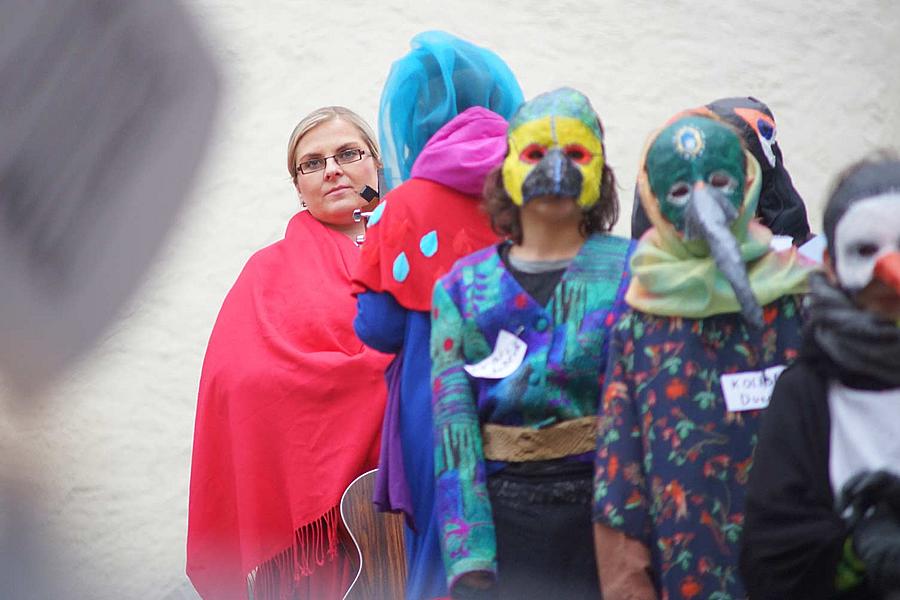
(322, 115)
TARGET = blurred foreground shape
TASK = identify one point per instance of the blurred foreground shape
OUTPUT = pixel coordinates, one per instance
(105, 112)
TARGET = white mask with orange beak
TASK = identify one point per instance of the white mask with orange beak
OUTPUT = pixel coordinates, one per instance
(867, 242)
(862, 225)
(854, 309)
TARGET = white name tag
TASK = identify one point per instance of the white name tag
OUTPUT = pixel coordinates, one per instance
(750, 390)
(508, 354)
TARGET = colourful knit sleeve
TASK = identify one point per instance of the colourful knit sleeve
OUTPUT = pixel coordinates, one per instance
(621, 498)
(462, 505)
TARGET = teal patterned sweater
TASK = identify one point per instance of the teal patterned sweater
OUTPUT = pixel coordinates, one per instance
(559, 379)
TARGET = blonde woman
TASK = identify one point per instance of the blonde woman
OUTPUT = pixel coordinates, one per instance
(291, 402)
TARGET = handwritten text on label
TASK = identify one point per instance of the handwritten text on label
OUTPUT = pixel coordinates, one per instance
(750, 390)
(509, 351)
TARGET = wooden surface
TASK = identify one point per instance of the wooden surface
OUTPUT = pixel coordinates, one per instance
(379, 543)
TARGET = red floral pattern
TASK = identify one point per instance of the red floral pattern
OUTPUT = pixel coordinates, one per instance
(672, 462)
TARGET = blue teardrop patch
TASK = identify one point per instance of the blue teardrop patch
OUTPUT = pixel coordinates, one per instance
(401, 267)
(376, 214)
(429, 244)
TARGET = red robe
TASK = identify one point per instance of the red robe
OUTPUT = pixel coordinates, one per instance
(289, 413)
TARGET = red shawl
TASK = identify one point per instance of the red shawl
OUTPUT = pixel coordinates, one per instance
(418, 232)
(289, 413)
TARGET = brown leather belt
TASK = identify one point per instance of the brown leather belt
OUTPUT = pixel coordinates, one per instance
(522, 444)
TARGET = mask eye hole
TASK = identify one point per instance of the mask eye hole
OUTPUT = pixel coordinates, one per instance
(722, 181)
(766, 130)
(679, 193)
(578, 154)
(867, 249)
(532, 154)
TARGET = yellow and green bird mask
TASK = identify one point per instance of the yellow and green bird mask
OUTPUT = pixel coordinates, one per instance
(555, 149)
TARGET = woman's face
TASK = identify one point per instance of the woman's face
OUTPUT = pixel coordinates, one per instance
(332, 194)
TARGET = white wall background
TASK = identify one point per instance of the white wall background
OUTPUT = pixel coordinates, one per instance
(105, 454)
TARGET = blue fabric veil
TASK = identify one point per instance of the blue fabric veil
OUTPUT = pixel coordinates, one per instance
(439, 78)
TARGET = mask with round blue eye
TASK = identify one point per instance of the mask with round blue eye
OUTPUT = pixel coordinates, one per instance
(765, 129)
(764, 126)
(754, 120)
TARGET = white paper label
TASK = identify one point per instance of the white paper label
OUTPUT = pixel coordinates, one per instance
(750, 390)
(508, 354)
(814, 249)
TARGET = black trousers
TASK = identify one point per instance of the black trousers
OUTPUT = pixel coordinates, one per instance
(545, 543)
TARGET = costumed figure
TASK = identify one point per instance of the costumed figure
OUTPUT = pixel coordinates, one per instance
(518, 345)
(291, 401)
(439, 93)
(712, 305)
(823, 506)
(780, 207)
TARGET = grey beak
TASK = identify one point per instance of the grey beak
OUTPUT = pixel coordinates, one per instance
(708, 217)
(555, 175)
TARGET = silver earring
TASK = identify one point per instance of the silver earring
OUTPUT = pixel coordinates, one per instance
(303, 203)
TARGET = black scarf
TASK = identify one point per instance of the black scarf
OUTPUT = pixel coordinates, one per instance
(856, 340)
(781, 208)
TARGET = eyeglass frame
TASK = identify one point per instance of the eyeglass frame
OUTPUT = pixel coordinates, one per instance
(359, 151)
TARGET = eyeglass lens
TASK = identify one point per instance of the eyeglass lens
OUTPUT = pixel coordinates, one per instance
(342, 158)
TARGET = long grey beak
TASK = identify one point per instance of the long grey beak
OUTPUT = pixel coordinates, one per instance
(708, 217)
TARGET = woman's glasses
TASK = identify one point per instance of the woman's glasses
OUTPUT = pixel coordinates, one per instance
(343, 157)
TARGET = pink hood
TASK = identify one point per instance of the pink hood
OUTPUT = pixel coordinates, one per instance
(463, 151)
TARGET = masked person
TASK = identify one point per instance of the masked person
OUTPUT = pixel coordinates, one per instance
(439, 116)
(780, 207)
(518, 342)
(708, 298)
(823, 507)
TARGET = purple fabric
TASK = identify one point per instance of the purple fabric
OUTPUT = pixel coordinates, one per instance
(391, 489)
(463, 151)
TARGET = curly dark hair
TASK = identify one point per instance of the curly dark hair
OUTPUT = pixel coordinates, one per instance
(506, 220)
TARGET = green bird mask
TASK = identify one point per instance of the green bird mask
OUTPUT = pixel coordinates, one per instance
(696, 154)
(697, 171)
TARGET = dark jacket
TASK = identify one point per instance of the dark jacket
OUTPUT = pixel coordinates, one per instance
(793, 537)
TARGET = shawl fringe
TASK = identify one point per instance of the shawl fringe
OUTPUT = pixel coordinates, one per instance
(313, 544)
